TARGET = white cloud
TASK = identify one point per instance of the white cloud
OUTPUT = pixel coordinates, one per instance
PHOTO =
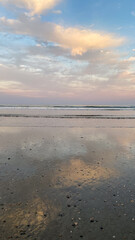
(39, 75)
(131, 59)
(68, 62)
(77, 40)
(34, 6)
(57, 11)
(81, 40)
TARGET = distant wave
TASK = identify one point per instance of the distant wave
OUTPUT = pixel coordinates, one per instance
(69, 107)
(68, 116)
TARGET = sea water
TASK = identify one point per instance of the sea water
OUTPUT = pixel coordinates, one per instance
(89, 116)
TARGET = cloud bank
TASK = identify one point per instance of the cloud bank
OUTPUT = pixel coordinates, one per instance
(77, 40)
(60, 63)
(34, 6)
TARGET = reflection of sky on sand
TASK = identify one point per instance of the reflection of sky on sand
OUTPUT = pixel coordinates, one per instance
(44, 142)
(27, 218)
(125, 138)
(62, 142)
(47, 164)
(28, 147)
(79, 172)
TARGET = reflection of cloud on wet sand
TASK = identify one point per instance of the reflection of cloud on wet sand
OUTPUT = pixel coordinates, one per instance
(123, 138)
(78, 172)
(27, 219)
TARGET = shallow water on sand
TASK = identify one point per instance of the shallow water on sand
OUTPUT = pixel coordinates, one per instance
(67, 182)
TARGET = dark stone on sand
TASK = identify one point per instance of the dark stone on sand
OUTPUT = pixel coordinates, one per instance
(61, 214)
(101, 228)
(68, 196)
(92, 221)
(68, 205)
(74, 224)
(9, 158)
(22, 232)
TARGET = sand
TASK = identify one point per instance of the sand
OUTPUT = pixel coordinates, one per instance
(67, 182)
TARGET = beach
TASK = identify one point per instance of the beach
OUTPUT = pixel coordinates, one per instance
(67, 177)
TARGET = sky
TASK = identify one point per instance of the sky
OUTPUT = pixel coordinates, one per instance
(67, 52)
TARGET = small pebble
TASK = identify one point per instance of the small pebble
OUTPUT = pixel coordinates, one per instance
(101, 228)
(92, 219)
(22, 233)
(75, 224)
(60, 215)
(68, 196)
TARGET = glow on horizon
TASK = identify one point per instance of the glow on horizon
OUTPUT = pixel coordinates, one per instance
(45, 59)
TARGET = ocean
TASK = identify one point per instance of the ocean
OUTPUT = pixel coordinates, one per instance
(82, 111)
(70, 116)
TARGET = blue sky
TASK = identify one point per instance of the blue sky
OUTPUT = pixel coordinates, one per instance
(70, 52)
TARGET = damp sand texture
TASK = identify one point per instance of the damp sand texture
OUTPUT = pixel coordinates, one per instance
(60, 181)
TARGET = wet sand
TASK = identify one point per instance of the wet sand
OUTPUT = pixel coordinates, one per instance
(67, 183)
